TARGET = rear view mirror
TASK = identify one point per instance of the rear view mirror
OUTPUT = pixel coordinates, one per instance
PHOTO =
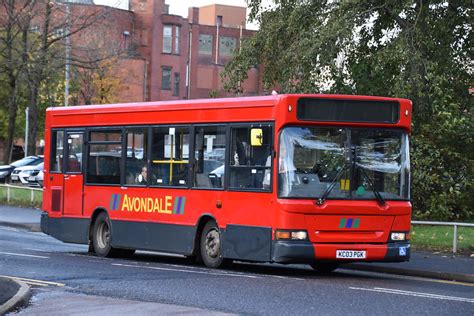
(256, 137)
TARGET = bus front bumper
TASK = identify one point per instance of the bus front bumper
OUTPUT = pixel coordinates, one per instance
(307, 252)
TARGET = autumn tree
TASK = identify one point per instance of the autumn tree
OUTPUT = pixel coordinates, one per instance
(95, 79)
(33, 41)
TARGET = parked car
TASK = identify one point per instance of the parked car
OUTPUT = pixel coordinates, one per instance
(216, 154)
(6, 170)
(21, 174)
(36, 178)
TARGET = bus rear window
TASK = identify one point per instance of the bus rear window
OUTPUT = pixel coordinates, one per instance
(362, 111)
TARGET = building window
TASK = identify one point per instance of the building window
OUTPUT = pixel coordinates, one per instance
(167, 39)
(176, 84)
(166, 78)
(205, 44)
(219, 20)
(177, 38)
(227, 46)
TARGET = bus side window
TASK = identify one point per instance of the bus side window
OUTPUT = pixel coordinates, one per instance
(136, 157)
(103, 166)
(56, 151)
(170, 156)
(209, 157)
(250, 165)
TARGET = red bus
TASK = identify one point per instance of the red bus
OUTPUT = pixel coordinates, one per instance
(316, 179)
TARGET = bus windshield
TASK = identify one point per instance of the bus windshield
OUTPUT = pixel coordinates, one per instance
(344, 163)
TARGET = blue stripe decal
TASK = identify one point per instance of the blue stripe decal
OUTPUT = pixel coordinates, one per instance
(178, 207)
(349, 223)
(115, 201)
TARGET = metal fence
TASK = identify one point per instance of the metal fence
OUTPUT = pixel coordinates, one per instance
(21, 194)
(455, 226)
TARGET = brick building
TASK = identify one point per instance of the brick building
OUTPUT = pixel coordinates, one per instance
(173, 57)
(168, 56)
(185, 56)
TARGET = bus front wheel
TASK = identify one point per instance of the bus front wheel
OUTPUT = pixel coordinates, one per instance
(211, 246)
(102, 236)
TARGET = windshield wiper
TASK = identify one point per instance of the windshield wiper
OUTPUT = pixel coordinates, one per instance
(331, 186)
(377, 194)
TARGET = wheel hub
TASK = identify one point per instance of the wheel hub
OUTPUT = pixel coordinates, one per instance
(212, 243)
(103, 235)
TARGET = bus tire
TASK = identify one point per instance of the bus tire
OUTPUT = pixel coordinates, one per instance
(211, 246)
(324, 267)
(102, 236)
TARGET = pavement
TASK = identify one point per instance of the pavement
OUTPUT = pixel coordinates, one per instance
(14, 293)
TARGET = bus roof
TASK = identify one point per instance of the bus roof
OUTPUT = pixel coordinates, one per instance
(257, 108)
(217, 102)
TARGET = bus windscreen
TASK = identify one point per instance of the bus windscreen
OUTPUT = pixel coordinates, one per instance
(358, 111)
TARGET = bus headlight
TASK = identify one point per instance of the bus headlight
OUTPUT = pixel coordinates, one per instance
(398, 236)
(291, 235)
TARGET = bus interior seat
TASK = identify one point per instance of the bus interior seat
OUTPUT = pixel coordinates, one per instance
(203, 181)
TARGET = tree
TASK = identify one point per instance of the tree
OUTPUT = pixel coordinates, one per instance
(32, 46)
(414, 49)
(11, 65)
(95, 80)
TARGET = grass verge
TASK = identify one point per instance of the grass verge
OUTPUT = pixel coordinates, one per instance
(21, 196)
(440, 238)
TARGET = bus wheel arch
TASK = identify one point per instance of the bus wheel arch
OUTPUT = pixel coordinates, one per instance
(100, 234)
(209, 246)
(96, 213)
(196, 253)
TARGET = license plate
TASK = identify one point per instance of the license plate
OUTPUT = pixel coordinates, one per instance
(31, 178)
(351, 254)
(14, 177)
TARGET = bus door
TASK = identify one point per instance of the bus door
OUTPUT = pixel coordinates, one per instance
(56, 171)
(73, 173)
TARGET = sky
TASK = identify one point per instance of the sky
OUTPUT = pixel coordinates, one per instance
(178, 7)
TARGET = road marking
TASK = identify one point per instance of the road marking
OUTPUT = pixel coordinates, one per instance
(224, 272)
(415, 294)
(34, 249)
(187, 271)
(23, 255)
(33, 281)
(406, 277)
(231, 274)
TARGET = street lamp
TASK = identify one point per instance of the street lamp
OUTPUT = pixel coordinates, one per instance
(27, 110)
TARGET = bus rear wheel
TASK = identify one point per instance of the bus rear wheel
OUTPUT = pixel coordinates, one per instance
(211, 246)
(324, 267)
(102, 236)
